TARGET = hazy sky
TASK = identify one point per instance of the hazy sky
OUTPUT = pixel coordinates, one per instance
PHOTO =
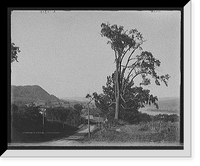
(64, 53)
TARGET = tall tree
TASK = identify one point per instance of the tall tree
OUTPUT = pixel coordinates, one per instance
(130, 65)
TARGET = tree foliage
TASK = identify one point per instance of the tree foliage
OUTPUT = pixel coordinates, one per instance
(125, 43)
(132, 99)
(66, 115)
(29, 118)
(128, 67)
(24, 118)
(14, 51)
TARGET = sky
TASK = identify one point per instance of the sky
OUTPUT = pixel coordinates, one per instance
(64, 53)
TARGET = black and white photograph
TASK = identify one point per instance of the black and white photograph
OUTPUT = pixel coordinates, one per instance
(96, 79)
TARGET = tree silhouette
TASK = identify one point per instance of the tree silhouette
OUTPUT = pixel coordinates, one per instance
(128, 65)
(14, 51)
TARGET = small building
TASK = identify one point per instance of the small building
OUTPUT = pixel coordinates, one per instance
(98, 119)
(86, 117)
(36, 103)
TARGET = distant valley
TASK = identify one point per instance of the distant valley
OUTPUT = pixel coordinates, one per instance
(75, 99)
(21, 95)
(167, 105)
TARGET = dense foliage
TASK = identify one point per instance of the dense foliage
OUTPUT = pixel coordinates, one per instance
(132, 99)
(26, 118)
(30, 118)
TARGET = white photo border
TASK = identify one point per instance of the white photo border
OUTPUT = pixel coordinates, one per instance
(185, 152)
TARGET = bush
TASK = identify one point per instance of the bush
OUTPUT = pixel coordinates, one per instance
(26, 118)
(166, 118)
(138, 117)
(144, 127)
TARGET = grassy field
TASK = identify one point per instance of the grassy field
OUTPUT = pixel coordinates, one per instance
(156, 132)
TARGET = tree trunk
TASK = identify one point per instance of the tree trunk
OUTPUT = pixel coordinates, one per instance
(117, 94)
(117, 107)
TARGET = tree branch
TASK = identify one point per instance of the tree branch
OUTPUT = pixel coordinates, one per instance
(122, 98)
(133, 68)
(123, 88)
(127, 108)
(129, 58)
(130, 72)
(125, 53)
(139, 74)
(115, 56)
(126, 66)
(111, 104)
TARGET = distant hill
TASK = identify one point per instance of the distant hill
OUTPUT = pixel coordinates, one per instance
(167, 105)
(30, 93)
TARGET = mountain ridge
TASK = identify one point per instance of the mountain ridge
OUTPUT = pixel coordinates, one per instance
(30, 93)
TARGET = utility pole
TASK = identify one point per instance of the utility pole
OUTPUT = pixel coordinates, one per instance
(42, 111)
(88, 120)
(91, 99)
(43, 121)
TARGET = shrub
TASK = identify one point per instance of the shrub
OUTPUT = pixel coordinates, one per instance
(26, 118)
(144, 127)
(138, 117)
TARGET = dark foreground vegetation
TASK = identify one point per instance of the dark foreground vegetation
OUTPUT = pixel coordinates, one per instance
(30, 125)
(39, 136)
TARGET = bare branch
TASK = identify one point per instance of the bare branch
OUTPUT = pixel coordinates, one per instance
(139, 74)
(122, 98)
(126, 66)
(115, 55)
(130, 72)
(111, 104)
(133, 58)
(129, 58)
(125, 53)
(133, 68)
(126, 107)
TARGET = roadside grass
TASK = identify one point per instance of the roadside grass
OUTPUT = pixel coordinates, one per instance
(157, 132)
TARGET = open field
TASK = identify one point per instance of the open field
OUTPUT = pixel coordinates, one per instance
(146, 133)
